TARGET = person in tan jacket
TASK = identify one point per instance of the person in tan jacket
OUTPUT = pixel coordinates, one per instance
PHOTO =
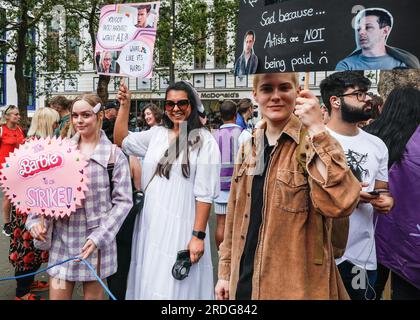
(291, 180)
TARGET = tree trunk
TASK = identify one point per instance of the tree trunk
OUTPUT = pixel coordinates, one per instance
(102, 89)
(103, 82)
(397, 78)
(22, 90)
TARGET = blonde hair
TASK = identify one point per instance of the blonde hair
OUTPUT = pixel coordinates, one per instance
(43, 122)
(93, 99)
(6, 112)
(294, 76)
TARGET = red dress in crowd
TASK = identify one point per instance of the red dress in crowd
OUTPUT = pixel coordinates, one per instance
(9, 140)
(22, 253)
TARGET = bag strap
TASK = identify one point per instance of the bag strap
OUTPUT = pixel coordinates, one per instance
(110, 167)
(154, 175)
(319, 241)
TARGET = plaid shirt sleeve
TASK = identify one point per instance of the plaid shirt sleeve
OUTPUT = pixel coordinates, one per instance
(121, 204)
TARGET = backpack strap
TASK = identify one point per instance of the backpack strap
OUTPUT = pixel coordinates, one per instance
(319, 219)
(110, 166)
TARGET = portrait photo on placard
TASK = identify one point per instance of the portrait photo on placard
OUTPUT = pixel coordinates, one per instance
(306, 36)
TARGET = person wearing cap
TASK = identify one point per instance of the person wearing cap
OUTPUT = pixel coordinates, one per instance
(111, 112)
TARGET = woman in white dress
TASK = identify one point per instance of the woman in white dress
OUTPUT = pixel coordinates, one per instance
(181, 179)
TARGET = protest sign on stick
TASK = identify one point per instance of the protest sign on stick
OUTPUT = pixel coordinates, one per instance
(326, 35)
(126, 39)
(45, 177)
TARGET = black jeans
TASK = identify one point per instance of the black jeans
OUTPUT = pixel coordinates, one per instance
(359, 283)
(23, 285)
(117, 283)
(402, 289)
(383, 275)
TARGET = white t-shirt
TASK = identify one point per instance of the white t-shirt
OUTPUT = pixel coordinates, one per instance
(244, 136)
(367, 156)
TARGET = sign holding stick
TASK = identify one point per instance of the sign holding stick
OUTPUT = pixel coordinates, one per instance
(305, 35)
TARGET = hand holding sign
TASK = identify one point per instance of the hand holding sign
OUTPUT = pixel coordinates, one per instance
(309, 112)
(45, 177)
(124, 95)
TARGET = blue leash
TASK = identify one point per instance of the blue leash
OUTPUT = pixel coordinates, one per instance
(60, 263)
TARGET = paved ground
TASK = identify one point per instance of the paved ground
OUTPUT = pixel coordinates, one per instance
(7, 288)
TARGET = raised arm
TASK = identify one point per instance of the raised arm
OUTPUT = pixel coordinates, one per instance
(121, 123)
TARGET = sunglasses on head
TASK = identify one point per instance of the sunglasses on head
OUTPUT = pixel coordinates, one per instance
(8, 108)
(182, 105)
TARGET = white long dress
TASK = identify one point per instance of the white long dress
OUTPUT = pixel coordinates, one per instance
(165, 225)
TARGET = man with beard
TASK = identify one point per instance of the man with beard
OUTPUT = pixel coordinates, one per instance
(348, 101)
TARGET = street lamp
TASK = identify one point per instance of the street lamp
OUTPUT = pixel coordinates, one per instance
(171, 45)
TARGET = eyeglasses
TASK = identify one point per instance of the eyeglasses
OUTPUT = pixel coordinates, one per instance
(360, 95)
(182, 105)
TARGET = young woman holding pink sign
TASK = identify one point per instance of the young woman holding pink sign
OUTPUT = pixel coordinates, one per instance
(89, 232)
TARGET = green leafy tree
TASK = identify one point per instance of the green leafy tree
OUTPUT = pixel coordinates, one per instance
(20, 21)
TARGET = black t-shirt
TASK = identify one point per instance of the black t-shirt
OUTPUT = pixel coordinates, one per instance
(108, 127)
(246, 270)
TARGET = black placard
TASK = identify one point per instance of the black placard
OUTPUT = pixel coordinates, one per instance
(308, 35)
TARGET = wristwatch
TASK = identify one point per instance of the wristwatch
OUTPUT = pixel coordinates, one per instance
(199, 234)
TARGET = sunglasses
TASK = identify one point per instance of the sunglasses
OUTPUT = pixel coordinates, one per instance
(9, 108)
(182, 105)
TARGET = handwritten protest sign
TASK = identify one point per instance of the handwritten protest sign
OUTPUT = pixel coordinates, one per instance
(45, 177)
(126, 39)
(326, 35)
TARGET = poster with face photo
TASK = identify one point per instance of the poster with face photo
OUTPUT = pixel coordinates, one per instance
(306, 35)
(126, 39)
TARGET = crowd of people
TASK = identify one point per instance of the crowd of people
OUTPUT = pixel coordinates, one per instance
(316, 201)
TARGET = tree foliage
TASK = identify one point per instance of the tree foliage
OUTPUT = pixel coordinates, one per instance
(397, 78)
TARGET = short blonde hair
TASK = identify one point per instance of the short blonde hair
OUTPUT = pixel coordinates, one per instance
(93, 99)
(42, 124)
(294, 75)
